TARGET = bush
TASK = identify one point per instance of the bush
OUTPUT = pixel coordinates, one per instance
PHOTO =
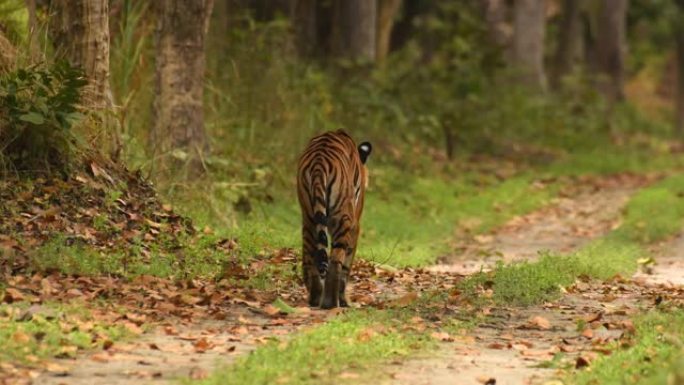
(38, 107)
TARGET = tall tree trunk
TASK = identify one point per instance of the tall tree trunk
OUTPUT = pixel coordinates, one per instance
(679, 97)
(570, 41)
(354, 27)
(79, 30)
(499, 29)
(305, 23)
(387, 11)
(528, 42)
(180, 63)
(611, 46)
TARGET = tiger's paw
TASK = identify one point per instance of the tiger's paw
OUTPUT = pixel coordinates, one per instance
(328, 303)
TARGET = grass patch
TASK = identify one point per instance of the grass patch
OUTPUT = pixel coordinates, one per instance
(351, 342)
(29, 334)
(656, 356)
(408, 220)
(653, 214)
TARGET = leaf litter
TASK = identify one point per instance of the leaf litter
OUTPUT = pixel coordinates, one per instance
(184, 326)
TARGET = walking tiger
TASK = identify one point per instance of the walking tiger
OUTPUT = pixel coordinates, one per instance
(331, 183)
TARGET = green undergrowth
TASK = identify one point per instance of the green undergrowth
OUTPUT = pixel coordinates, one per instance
(351, 342)
(653, 214)
(195, 257)
(408, 219)
(654, 357)
(32, 333)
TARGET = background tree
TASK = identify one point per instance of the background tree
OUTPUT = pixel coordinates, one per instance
(387, 11)
(570, 41)
(528, 42)
(611, 45)
(79, 31)
(679, 43)
(305, 21)
(179, 83)
(496, 16)
(354, 29)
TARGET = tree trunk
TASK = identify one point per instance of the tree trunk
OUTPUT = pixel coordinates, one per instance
(79, 30)
(180, 63)
(498, 26)
(305, 23)
(611, 45)
(354, 27)
(570, 41)
(528, 42)
(387, 11)
(679, 97)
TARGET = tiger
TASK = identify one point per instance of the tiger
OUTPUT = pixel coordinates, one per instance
(331, 184)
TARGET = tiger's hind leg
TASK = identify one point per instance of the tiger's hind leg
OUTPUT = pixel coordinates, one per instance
(312, 278)
(336, 278)
(331, 289)
(350, 252)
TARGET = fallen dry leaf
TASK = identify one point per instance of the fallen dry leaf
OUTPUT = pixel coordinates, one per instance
(486, 380)
(540, 322)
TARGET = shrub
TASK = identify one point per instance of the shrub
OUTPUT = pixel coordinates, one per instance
(38, 107)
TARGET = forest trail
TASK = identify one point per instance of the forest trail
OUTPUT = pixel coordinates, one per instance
(516, 346)
(513, 343)
(172, 351)
(580, 213)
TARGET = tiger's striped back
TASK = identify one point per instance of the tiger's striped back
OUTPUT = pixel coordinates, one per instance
(331, 182)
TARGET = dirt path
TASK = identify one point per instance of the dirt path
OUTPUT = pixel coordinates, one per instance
(669, 266)
(581, 213)
(516, 346)
(172, 351)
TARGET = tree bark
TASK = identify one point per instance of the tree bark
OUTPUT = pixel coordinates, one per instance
(611, 46)
(679, 97)
(499, 28)
(354, 28)
(79, 30)
(305, 23)
(180, 64)
(570, 41)
(528, 42)
(386, 12)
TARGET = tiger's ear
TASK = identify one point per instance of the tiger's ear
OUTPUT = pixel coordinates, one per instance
(365, 149)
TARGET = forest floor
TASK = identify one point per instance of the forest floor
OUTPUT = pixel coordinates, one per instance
(191, 329)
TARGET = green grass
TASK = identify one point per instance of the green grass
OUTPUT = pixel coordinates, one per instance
(353, 341)
(656, 356)
(29, 334)
(198, 258)
(408, 220)
(652, 214)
